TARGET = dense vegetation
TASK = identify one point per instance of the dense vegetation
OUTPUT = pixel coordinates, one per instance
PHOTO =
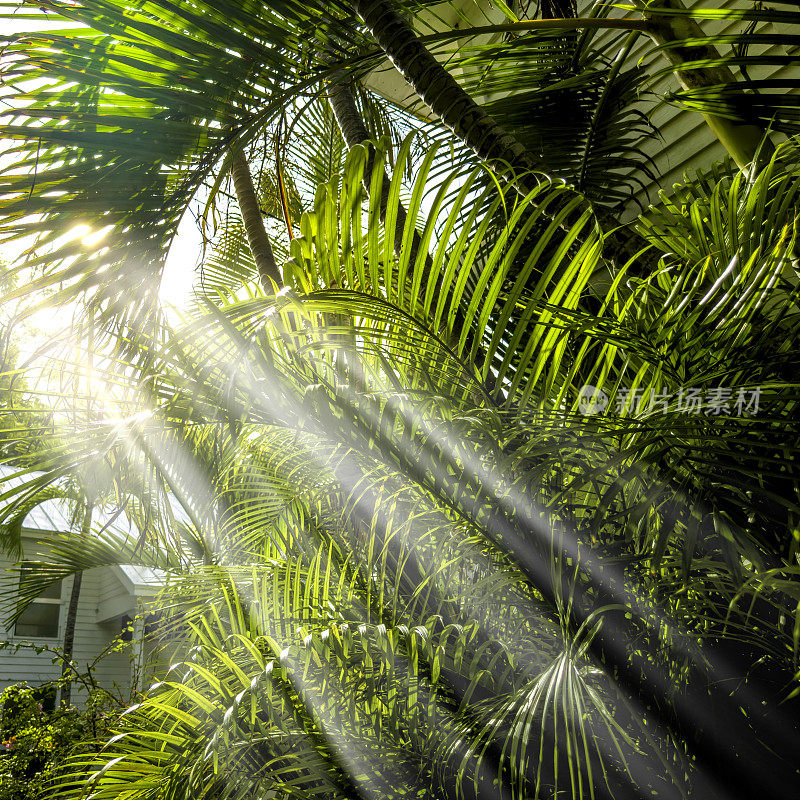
(37, 740)
(403, 557)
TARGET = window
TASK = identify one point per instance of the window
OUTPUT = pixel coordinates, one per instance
(41, 618)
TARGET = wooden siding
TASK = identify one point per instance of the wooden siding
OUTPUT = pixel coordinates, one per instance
(682, 141)
(112, 672)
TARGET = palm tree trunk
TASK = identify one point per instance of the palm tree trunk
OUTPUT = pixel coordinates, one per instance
(254, 228)
(468, 121)
(72, 616)
(669, 31)
(434, 84)
(343, 104)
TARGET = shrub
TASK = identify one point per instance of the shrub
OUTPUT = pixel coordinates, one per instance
(34, 740)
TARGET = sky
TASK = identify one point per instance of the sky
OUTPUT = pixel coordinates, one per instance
(180, 268)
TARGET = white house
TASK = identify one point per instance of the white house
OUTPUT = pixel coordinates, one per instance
(682, 140)
(113, 602)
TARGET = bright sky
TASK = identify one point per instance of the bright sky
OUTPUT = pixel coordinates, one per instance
(180, 269)
(175, 292)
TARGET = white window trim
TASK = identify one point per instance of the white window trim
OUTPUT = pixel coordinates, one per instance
(55, 601)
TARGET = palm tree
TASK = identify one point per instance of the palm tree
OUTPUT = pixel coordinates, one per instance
(370, 468)
(405, 428)
(168, 132)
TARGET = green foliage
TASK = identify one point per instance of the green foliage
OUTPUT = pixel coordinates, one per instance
(164, 91)
(359, 597)
(757, 35)
(36, 742)
(24, 419)
(399, 560)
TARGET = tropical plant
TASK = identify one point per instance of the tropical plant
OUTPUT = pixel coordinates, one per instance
(408, 565)
(163, 95)
(443, 553)
(36, 740)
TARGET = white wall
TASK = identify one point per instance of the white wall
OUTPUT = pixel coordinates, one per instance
(112, 672)
(685, 142)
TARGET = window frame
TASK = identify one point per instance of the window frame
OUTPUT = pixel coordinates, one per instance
(53, 601)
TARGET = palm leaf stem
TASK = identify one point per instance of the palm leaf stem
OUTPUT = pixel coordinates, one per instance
(561, 24)
(742, 141)
(619, 60)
